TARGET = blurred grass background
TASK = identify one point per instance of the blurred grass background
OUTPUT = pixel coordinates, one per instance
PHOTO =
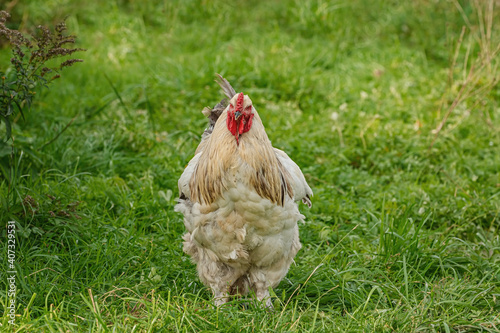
(403, 233)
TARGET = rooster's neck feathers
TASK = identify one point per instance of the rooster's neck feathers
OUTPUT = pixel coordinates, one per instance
(253, 160)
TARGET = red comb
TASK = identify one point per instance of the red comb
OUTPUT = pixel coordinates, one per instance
(239, 101)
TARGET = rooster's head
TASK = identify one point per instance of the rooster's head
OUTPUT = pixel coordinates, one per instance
(239, 115)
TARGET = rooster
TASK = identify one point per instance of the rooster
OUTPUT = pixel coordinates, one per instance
(239, 197)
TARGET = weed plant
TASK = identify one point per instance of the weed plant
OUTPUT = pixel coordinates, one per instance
(29, 66)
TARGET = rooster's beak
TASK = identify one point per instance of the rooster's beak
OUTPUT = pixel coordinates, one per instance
(237, 115)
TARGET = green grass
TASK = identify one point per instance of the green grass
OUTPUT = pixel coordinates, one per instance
(401, 237)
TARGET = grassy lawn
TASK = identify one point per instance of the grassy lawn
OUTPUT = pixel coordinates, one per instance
(403, 232)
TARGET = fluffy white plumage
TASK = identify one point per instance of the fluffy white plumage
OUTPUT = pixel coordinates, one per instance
(238, 199)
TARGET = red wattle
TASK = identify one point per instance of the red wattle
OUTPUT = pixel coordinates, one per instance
(241, 126)
(248, 124)
(231, 123)
(238, 127)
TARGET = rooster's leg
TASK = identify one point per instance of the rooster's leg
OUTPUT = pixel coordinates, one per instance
(220, 297)
(260, 285)
(219, 277)
(264, 296)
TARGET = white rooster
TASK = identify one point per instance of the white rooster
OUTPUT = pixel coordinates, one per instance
(238, 196)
